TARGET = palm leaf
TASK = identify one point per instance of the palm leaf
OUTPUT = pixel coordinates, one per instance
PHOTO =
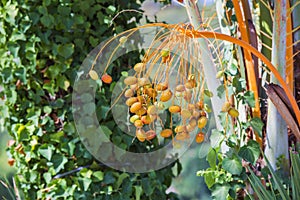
(277, 181)
(259, 188)
(295, 181)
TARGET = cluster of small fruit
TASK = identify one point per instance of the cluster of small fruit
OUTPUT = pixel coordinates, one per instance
(147, 99)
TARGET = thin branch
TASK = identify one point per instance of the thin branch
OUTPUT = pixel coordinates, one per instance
(294, 6)
(126, 10)
(266, 34)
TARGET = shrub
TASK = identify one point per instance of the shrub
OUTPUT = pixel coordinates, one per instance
(42, 44)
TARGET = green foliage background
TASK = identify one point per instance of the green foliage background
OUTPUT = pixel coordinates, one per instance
(42, 44)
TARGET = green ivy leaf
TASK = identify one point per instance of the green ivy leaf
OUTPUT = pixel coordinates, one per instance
(209, 179)
(250, 152)
(57, 137)
(66, 50)
(146, 185)
(220, 192)
(106, 130)
(257, 125)
(247, 154)
(109, 178)
(12, 11)
(98, 175)
(220, 91)
(59, 162)
(86, 182)
(138, 192)
(17, 35)
(237, 84)
(249, 98)
(233, 165)
(111, 9)
(47, 20)
(233, 69)
(120, 179)
(46, 151)
(63, 82)
(212, 158)
(22, 133)
(47, 176)
(87, 173)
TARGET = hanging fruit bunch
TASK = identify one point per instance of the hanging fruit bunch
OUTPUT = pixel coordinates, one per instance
(168, 80)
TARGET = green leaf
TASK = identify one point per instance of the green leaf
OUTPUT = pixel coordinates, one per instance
(63, 10)
(47, 176)
(220, 192)
(212, 158)
(237, 84)
(267, 27)
(12, 12)
(63, 82)
(46, 151)
(146, 185)
(87, 173)
(99, 175)
(66, 50)
(59, 162)
(295, 162)
(106, 130)
(233, 69)
(71, 148)
(14, 50)
(138, 192)
(209, 179)
(47, 20)
(120, 179)
(233, 166)
(86, 183)
(111, 9)
(17, 35)
(109, 178)
(278, 182)
(257, 125)
(249, 98)
(220, 91)
(57, 137)
(250, 152)
(49, 87)
(47, 109)
(247, 154)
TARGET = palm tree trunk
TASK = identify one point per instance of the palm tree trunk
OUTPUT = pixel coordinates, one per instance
(277, 138)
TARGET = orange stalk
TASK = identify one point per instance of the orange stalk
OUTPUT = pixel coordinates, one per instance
(254, 51)
(214, 35)
(250, 70)
(289, 71)
(251, 76)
